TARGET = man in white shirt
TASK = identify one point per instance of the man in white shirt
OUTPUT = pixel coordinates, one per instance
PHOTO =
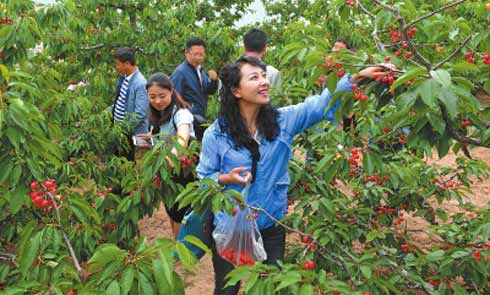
(255, 44)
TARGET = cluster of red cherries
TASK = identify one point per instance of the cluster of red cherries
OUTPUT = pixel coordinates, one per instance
(237, 257)
(39, 193)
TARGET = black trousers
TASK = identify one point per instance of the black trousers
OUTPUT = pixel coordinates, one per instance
(274, 243)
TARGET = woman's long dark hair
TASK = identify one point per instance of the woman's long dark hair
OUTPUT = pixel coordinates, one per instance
(156, 117)
(232, 122)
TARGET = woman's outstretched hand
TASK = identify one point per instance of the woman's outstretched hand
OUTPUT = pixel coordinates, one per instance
(371, 72)
(238, 175)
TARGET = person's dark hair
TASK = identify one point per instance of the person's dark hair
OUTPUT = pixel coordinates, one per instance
(255, 40)
(346, 42)
(230, 119)
(125, 54)
(194, 42)
(156, 117)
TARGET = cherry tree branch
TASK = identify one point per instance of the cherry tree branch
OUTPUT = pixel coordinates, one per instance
(457, 134)
(463, 44)
(416, 54)
(434, 12)
(65, 237)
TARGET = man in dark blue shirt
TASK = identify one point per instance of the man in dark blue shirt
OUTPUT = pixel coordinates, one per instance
(193, 84)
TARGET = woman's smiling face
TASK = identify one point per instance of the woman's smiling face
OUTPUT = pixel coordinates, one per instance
(160, 98)
(254, 86)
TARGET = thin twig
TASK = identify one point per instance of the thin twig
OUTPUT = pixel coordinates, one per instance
(363, 9)
(453, 54)
(371, 65)
(418, 44)
(385, 6)
(68, 244)
(434, 12)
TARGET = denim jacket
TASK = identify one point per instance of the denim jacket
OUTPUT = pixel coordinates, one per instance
(269, 190)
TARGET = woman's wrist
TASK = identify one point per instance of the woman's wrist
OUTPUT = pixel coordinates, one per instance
(223, 179)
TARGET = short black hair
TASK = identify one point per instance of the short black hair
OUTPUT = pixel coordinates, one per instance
(345, 41)
(194, 41)
(255, 40)
(125, 54)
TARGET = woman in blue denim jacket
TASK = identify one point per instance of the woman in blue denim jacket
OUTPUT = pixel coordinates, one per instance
(251, 142)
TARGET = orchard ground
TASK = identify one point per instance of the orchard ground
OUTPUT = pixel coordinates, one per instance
(203, 282)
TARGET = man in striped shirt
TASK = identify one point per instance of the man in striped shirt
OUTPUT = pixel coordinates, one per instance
(131, 103)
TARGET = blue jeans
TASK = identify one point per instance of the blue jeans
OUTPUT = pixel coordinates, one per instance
(274, 239)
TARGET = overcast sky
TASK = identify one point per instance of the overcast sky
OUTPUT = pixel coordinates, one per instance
(257, 14)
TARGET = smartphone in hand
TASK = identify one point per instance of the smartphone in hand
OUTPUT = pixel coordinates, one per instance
(143, 141)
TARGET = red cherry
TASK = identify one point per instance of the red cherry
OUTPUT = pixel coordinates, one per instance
(307, 239)
(309, 265)
(340, 74)
(50, 183)
(408, 55)
(234, 212)
(34, 185)
(71, 292)
(477, 254)
(466, 123)
(404, 45)
(387, 59)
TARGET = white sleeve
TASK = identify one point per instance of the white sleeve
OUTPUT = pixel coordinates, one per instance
(183, 116)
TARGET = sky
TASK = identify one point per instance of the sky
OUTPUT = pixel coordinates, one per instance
(257, 13)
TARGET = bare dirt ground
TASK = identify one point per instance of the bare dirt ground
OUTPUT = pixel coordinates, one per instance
(202, 283)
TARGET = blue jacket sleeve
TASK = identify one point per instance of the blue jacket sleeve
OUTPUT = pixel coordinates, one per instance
(209, 161)
(177, 78)
(301, 116)
(141, 105)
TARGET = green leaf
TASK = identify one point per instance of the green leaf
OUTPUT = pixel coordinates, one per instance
(458, 290)
(410, 75)
(450, 101)
(324, 162)
(164, 286)
(29, 254)
(251, 282)
(465, 67)
(127, 279)
(368, 163)
(366, 271)
(436, 255)
(459, 254)
(306, 289)
(428, 91)
(332, 81)
(144, 285)
(436, 122)
(17, 199)
(288, 279)
(105, 254)
(198, 243)
(443, 77)
(6, 75)
(185, 256)
(373, 235)
(113, 288)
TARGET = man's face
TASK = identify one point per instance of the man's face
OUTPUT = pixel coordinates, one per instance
(121, 67)
(195, 55)
(339, 45)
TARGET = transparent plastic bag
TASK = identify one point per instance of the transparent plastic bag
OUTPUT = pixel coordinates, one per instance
(238, 238)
